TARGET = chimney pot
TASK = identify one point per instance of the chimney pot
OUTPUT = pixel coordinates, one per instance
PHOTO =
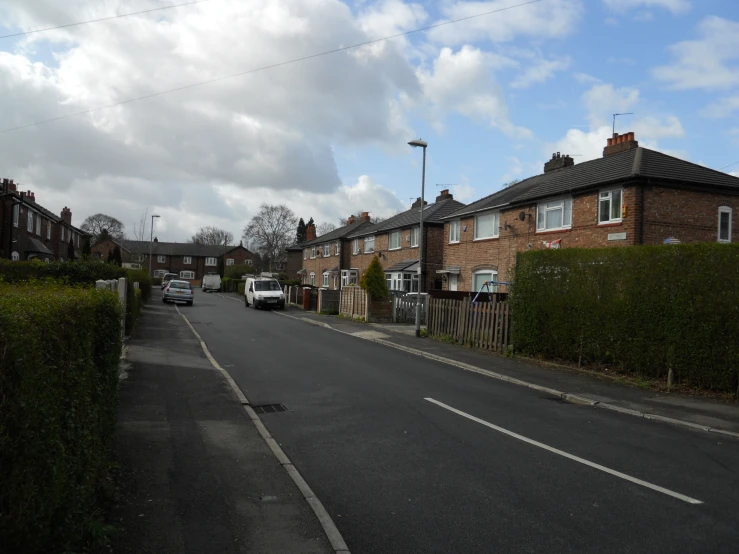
(610, 142)
(351, 219)
(620, 143)
(558, 161)
(364, 217)
(444, 195)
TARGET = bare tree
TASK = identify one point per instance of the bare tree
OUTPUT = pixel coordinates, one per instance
(272, 230)
(324, 228)
(95, 224)
(212, 235)
(374, 219)
(140, 230)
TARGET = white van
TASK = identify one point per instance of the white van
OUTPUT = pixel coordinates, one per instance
(262, 292)
(212, 281)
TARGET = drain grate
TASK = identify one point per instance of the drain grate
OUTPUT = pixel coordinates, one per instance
(269, 408)
(556, 399)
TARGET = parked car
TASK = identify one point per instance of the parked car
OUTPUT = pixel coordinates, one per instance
(167, 278)
(212, 281)
(263, 292)
(178, 291)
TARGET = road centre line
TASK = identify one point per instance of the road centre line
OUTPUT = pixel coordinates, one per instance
(583, 461)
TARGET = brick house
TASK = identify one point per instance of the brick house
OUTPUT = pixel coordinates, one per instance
(326, 260)
(292, 262)
(30, 231)
(395, 243)
(191, 261)
(630, 196)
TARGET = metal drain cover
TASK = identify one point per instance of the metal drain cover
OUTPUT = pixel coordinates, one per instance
(269, 408)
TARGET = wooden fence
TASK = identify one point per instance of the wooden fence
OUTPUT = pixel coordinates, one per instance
(353, 302)
(404, 308)
(482, 325)
(330, 300)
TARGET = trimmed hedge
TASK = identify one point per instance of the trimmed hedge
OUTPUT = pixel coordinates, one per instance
(133, 309)
(59, 353)
(647, 309)
(79, 272)
(241, 287)
(140, 276)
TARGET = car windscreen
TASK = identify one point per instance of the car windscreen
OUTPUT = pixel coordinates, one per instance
(179, 285)
(267, 285)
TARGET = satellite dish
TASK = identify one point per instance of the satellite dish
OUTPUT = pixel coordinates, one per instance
(522, 216)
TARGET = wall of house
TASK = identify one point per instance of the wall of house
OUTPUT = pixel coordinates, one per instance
(21, 234)
(319, 264)
(294, 264)
(689, 216)
(500, 253)
(240, 255)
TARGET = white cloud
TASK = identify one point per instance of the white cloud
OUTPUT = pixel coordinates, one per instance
(514, 170)
(644, 16)
(723, 108)
(540, 71)
(674, 6)
(463, 82)
(544, 20)
(585, 79)
(709, 62)
(603, 100)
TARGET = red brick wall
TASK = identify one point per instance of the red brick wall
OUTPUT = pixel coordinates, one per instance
(319, 264)
(689, 216)
(240, 255)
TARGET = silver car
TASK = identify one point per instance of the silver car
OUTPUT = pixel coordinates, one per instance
(178, 291)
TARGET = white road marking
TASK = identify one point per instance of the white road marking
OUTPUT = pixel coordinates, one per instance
(583, 461)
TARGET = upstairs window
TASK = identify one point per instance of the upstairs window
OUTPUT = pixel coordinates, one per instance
(229, 261)
(486, 226)
(394, 240)
(312, 252)
(187, 260)
(724, 224)
(369, 245)
(48, 230)
(16, 214)
(29, 221)
(305, 254)
(355, 246)
(609, 206)
(415, 233)
(454, 231)
(161, 259)
(326, 250)
(38, 225)
(554, 215)
(337, 248)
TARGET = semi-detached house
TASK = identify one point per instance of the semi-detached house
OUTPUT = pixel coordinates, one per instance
(630, 196)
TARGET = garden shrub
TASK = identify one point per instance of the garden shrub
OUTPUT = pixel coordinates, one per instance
(373, 279)
(645, 309)
(78, 272)
(140, 276)
(59, 353)
(133, 309)
(242, 285)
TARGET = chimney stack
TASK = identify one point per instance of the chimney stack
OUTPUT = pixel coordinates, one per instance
(67, 216)
(558, 162)
(620, 143)
(351, 219)
(444, 195)
(310, 231)
(8, 185)
(364, 216)
(31, 196)
(417, 203)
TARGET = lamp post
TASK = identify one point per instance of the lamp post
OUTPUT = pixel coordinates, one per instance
(151, 241)
(422, 144)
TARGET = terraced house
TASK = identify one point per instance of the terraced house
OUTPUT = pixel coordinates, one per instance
(395, 242)
(326, 261)
(630, 196)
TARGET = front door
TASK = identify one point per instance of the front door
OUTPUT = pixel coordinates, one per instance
(452, 281)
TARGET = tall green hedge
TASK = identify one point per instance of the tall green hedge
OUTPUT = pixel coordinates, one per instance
(59, 353)
(78, 272)
(140, 276)
(646, 309)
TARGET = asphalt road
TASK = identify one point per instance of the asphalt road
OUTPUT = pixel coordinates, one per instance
(400, 473)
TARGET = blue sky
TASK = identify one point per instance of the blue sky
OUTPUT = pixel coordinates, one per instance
(493, 96)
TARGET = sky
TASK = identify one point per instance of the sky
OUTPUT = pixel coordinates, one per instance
(494, 96)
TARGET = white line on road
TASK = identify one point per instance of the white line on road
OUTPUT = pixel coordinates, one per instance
(567, 455)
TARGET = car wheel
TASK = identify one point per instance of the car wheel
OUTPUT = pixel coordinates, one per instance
(246, 302)
(189, 303)
(164, 300)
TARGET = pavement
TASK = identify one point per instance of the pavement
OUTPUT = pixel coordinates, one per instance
(411, 454)
(195, 474)
(593, 388)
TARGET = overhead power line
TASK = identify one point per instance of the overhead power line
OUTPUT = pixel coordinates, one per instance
(736, 162)
(271, 66)
(104, 19)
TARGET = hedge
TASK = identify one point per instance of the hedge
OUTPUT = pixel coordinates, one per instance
(645, 309)
(78, 272)
(133, 310)
(140, 276)
(241, 287)
(59, 353)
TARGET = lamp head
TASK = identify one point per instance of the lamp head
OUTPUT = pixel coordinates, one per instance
(418, 142)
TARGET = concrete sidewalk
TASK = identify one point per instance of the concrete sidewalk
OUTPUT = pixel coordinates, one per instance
(591, 387)
(196, 476)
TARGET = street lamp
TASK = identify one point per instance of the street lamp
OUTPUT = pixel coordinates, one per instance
(151, 241)
(422, 144)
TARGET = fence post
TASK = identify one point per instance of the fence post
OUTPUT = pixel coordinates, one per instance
(122, 298)
(319, 307)
(395, 309)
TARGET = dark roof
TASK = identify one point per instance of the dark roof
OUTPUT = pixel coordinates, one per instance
(339, 233)
(174, 248)
(401, 266)
(432, 214)
(631, 164)
(38, 247)
(46, 213)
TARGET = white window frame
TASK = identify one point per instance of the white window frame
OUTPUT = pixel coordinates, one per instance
(491, 272)
(187, 274)
(607, 196)
(312, 280)
(15, 256)
(48, 229)
(496, 225)
(38, 225)
(137, 258)
(229, 261)
(16, 214)
(454, 227)
(312, 252)
(326, 250)
(337, 248)
(29, 221)
(249, 262)
(187, 260)
(394, 235)
(724, 210)
(415, 233)
(544, 207)
(159, 273)
(161, 259)
(349, 277)
(211, 261)
(369, 245)
(355, 246)
(325, 279)
(305, 253)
